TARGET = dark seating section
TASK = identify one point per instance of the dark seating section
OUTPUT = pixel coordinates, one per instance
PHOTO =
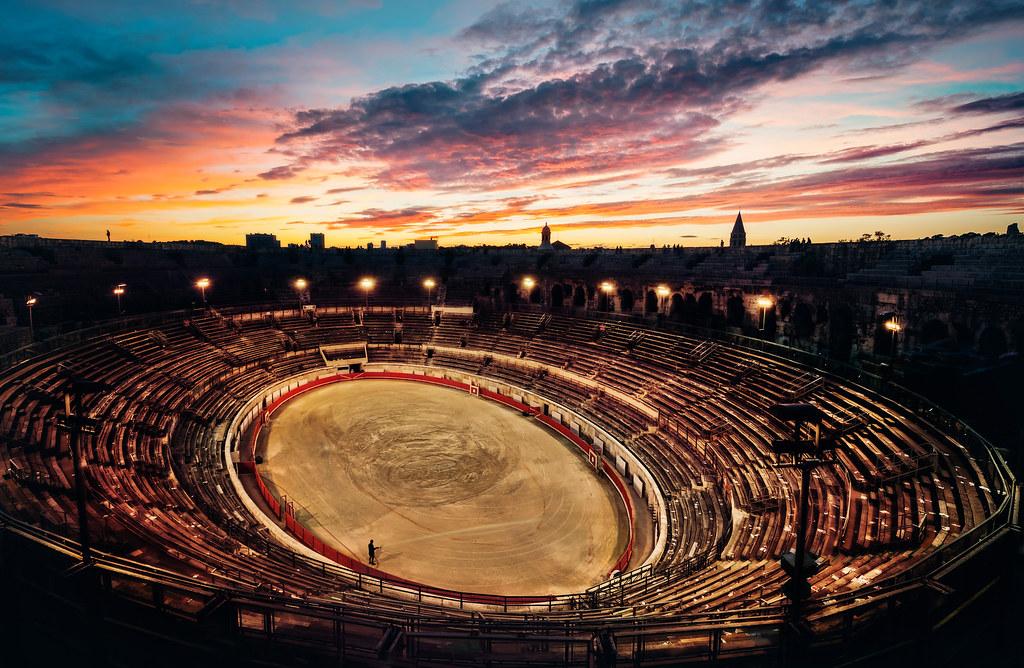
(694, 413)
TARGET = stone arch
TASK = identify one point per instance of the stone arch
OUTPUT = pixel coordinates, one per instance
(651, 302)
(803, 321)
(557, 295)
(1017, 334)
(675, 309)
(992, 341)
(734, 311)
(706, 305)
(840, 331)
(626, 300)
(689, 308)
(579, 296)
(934, 331)
(511, 293)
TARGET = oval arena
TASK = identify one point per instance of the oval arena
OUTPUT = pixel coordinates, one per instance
(233, 470)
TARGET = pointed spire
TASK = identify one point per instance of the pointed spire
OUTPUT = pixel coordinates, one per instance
(738, 238)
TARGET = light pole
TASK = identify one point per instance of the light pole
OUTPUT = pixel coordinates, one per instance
(300, 285)
(895, 327)
(764, 303)
(202, 284)
(366, 284)
(663, 291)
(607, 287)
(30, 301)
(119, 292)
(528, 285)
(429, 284)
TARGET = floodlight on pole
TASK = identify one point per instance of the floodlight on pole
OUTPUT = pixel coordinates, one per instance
(528, 283)
(764, 303)
(300, 286)
(663, 291)
(893, 325)
(30, 301)
(367, 283)
(202, 284)
(119, 292)
(607, 287)
(429, 284)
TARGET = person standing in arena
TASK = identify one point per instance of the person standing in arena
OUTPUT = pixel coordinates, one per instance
(372, 550)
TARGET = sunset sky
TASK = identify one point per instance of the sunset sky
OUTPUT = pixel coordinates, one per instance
(619, 122)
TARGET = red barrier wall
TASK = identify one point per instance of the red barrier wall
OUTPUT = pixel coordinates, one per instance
(310, 540)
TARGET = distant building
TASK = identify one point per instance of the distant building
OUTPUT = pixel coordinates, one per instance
(545, 237)
(560, 246)
(259, 241)
(316, 241)
(383, 244)
(369, 245)
(424, 244)
(738, 238)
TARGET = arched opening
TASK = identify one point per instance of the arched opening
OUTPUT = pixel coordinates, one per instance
(579, 296)
(536, 295)
(651, 302)
(689, 308)
(557, 296)
(734, 311)
(706, 306)
(803, 321)
(511, 293)
(1017, 335)
(675, 310)
(626, 300)
(604, 302)
(934, 331)
(992, 342)
(840, 331)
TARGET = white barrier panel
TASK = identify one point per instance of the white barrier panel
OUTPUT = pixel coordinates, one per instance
(620, 464)
(638, 485)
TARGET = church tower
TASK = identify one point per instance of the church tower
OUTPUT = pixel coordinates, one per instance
(545, 237)
(738, 238)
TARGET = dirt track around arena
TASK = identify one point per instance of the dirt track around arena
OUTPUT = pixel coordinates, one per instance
(460, 492)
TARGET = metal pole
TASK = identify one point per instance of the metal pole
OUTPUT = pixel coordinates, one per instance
(76, 458)
(801, 536)
(31, 325)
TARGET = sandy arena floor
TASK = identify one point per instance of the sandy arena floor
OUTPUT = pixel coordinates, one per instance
(459, 491)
